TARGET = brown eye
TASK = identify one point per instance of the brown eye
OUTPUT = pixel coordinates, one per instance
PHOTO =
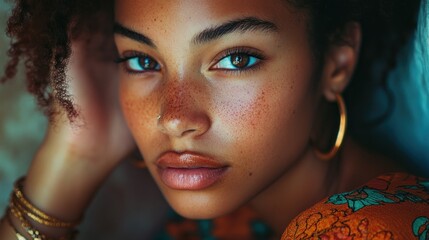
(142, 64)
(148, 63)
(240, 60)
(237, 61)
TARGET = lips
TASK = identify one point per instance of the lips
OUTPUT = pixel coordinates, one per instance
(189, 171)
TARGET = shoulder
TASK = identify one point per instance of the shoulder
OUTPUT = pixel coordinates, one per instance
(392, 206)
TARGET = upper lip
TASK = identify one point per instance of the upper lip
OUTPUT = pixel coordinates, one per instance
(187, 160)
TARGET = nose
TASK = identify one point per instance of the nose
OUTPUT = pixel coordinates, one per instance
(180, 115)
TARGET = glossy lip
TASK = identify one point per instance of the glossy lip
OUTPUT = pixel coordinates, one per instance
(189, 171)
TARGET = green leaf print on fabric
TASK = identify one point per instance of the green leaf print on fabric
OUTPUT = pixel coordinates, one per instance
(366, 196)
(421, 228)
(360, 198)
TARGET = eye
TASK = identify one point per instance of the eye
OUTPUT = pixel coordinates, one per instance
(139, 64)
(237, 61)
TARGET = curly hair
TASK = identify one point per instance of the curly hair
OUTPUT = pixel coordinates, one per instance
(41, 32)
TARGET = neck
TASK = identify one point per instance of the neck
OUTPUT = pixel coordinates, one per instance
(311, 179)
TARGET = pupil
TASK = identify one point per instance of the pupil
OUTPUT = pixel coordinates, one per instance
(240, 60)
(148, 63)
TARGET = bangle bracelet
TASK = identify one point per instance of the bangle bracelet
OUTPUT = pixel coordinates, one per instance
(9, 222)
(34, 234)
(30, 230)
(33, 212)
(24, 211)
(38, 219)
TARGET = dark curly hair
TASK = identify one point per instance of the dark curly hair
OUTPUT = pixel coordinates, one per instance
(41, 31)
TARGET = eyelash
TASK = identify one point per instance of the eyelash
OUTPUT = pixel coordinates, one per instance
(240, 50)
(227, 53)
(131, 55)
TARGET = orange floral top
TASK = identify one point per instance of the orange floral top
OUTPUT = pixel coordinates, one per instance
(392, 206)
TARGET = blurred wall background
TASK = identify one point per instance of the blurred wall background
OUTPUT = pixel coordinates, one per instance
(21, 125)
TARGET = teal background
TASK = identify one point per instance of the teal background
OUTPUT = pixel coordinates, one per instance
(404, 134)
(21, 124)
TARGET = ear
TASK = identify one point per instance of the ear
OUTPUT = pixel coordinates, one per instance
(340, 61)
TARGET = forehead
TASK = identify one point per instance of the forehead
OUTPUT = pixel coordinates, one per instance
(167, 15)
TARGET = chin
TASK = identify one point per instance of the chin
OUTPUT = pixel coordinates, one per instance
(197, 205)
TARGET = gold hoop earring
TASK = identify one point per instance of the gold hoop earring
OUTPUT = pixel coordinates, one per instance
(341, 131)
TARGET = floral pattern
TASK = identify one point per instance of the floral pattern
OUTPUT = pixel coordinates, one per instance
(421, 228)
(336, 224)
(388, 207)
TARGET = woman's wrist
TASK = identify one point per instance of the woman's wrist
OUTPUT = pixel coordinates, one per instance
(65, 193)
(23, 220)
(61, 182)
(54, 195)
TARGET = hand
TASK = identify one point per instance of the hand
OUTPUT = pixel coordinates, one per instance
(75, 158)
(99, 133)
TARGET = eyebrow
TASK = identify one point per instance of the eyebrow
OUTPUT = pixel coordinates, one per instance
(139, 37)
(239, 25)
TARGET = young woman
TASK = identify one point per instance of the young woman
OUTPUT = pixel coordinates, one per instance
(231, 103)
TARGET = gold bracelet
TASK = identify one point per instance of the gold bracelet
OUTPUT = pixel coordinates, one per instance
(25, 211)
(38, 219)
(33, 212)
(31, 230)
(11, 225)
(34, 234)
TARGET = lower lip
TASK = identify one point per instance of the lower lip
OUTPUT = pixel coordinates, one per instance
(191, 178)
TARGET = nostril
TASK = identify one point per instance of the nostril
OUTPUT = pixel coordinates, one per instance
(191, 124)
(189, 131)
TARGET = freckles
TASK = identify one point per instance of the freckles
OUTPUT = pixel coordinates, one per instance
(138, 111)
(183, 100)
(148, 16)
(259, 108)
(247, 109)
(243, 117)
(133, 111)
(176, 100)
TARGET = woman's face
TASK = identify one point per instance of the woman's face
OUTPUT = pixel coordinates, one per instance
(219, 96)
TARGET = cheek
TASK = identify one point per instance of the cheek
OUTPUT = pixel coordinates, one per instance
(139, 111)
(268, 125)
(240, 109)
(241, 116)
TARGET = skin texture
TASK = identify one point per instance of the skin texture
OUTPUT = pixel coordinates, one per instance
(257, 122)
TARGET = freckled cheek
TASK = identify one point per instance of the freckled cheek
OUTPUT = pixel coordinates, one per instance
(139, 111)
(254, 125)
(240, 115)
(241, 110)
